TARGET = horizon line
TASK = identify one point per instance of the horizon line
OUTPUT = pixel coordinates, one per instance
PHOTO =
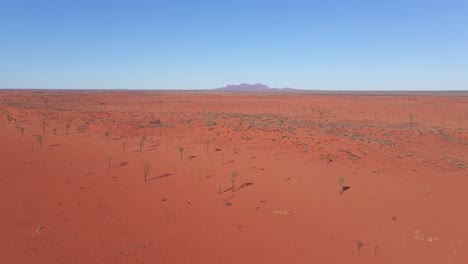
(273, 90)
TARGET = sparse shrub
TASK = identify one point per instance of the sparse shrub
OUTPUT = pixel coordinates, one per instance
(142, 143)
(340, 183)
(67, 127)
(43, 126)
(22, 131)
(124, 147)
(39, 138)
(359, 245)
(107, 135)
(146, 168)
(55, 130)
(233, 179)
(109, 158)
(219, 186)
(207, 143)
(181, 151)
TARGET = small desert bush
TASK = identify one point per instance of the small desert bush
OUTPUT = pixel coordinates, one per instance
(219, 186)
(146, 169)
(43, 126)
(359, 245)
(142, 143)
(39, 138)
(181, 151)
(233, 179)
(124, 147)
(207, 143)
(340, 183)
(109, 158)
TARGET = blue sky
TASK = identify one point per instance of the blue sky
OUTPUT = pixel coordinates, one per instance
(340, 45)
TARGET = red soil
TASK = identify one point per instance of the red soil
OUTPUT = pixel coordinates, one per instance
(403, 157)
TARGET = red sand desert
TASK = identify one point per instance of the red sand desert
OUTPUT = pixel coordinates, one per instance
(73, 189)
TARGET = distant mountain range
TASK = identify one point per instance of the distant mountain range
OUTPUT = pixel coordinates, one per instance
(245, 87)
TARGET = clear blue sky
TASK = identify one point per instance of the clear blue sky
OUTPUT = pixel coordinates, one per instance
(368, 45)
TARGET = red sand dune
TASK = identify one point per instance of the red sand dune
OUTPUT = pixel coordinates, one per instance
(404, 159)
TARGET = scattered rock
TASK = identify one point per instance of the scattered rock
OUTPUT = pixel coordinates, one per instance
(420, 236)
(40, 229)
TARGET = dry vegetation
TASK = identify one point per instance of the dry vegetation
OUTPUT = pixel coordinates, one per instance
(400, 162)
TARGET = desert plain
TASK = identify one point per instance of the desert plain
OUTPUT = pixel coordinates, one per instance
(210, 177)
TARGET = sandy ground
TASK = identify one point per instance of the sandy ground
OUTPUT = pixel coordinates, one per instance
(79, 194)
